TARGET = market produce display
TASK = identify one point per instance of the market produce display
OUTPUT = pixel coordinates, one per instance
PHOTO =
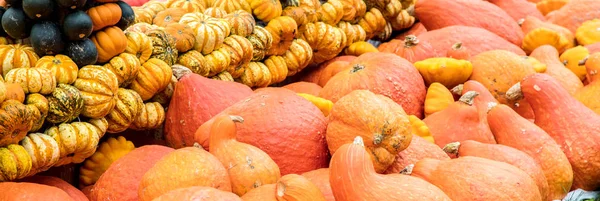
(260, 100)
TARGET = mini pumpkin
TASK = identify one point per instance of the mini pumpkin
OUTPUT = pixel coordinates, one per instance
(265, 10)
(353, 10)
(240, 51)
(261, 40)
(139, 45)
(217, 12)
(107, 152)
(190, 6)
(125, 67)
(403, 20)
(242, 23)
(183, 35)
(164, 97)
(373, 22)
(323, 104)
(76, 140)
(386, 34)
(32, 80)
(98, 87)
(141, 27)
(277, 67)
(16, 56)
(217, 61)
(129, 105)
(40, 106)
(302, 15)
(168, 16)
(153, 77)
(331, 12)
(151, 116)
(354, 32)
(15, 163)
(104, 15)
(589, 32)
(16, 121)
(223, 76)
(547, 6)
(256, 74)
(143, 15)
(574, 60)
(438, 98)
(325, 40)
(155, 6)
(64, 104)
(195, 61)
(360, 47)
(298, 56)
(210, 33)
(283, 30)
(43, 150)
(110, 42)
(231, 6)
(192, 19)
(62, 67)
(163, 45)
(447, 71)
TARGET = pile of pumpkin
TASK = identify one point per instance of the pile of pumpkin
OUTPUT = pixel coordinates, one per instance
(455, 108)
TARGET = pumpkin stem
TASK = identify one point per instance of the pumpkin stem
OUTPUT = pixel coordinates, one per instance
(410, 41)
(356, 68)
(377, 138)
(457, 90)
(411, 10)
(582, 62)
(358, 141)
(514, 93)
(407, 170)
(179, 71)
(237, 119)
(196, 145)
(521, 21)
(457, 46)
(490, 106)
(468, 97)
(452, 148)
(280, 189)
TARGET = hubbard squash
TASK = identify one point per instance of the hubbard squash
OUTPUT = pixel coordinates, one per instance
(320, 177)
(575, 13)
(324, 71)
(411, 48)
(198, 192)
(73, 192)
(418, 149)
(31, 191)
(555, 68)
(304, 87)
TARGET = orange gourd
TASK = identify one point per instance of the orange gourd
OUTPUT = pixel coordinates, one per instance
(31, 191)
(304, 87)
(575, 13)
(458, 51)
(554, 67)
(198, 192)
(418, 149)
(73, 192)
(320, 177)
(409, 48)
(519, 9)
(104, 15)
(588, 95)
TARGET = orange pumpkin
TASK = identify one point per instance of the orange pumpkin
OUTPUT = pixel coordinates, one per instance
(575, 13)
(104, 15)
(304, 87)
(189, 6)
(32, 191)
(410, 48)
(554, 67)
(322, 73)
(168, 16)
(110, 42)
(183, 35)
(198, 192)
(73, 192)
(418, 149)
(320, 177)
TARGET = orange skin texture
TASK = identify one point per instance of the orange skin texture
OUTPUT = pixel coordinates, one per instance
(512, 130)
(304, 87)
(295, 187)
(322, 73)
(476, 40)
(570, 123)
(384, 126)
(588, 95)
(385, 74)
(531, 23)
(122, 178)
(418, 149)
(17, 191)
(352, 177)
(519, 9)
(412, 53)
(554, 67)
(503, 153)
(592, 67)
(416, 29)
(320, 177)
(459, 53)
(481, 101)
(246, 164)
(262, 193)
(574, 13)
(477, 179)
(87, 191)
(458, 122)
(195, 100)
(297, 119)
(179, 169)
(73, 192)
(437, 14)
(198, 192)
(593, 48)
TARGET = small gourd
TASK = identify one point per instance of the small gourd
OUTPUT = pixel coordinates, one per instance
(323, 104)
(574, 59)
(447, 71)
(108, 152)
(588, 32)
(538, 66)
(77, 140)
(420, 128)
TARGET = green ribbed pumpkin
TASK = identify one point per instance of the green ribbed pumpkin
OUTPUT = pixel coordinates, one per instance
(65, 104)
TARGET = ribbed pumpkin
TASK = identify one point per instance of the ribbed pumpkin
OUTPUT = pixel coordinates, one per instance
(283, 29)
(150, 117)
(163, 45)
(62, 67)
(298, 56)
(39, 105)
(65, 104)
(16, 56)
(183, 35)
(373, 22)
(107, 152)
(261, 40)
(125, 67)
(242, 23)
(139, 45)
(217, 12)
(32, 80)
(265, 10)
(195, 61)
(240, 50)
(43, 150)
(277, 68)
(189, 5)
(104, 15)
(16, 163)
(153, 77)
(354, 32)
(98, 87)
(210, 33)
(129, 105)
(168, 16)
(77, 140)
(194, 192)
(109, 42)
(16, 121)
(32, 191)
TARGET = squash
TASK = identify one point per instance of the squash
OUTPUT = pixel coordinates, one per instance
(256, 74)
(331, 12)
(129, 105)
(297, 187)
(65, 104)
(249, 167)
(261, 40)
(458, 51)
(15, 162)
(372, 22)
(163, 46)
(183, 35)
(283, 30)
(108, 152)
(230, 6)
(304, 87)
(265, 10)
(574, 13)
(223, 76)
(328, 46)
(195, 61)
(588, 32)
(19, 56)
(110, 42)
(548, 55)
(15, 92)
(153, 77)
(16, 120)
(73, 192)
(405, 19)
(32, 80)
(218, 61)
(43, 150)
(387, 132)
(574, 60)
(190, 193)
(168, 16)
(297, 57)
(538, 66)
(302, 15)
(122, 178)
(143, 15)
(139, 45)
(189, 6)
(411, 48)
(447, 71)
(61, 66)
(24, 190)
(525, 9)
(154, 6)
(160, 179)
(360, 47)
(39, 105)
(83, 52)
(324, 71)
(418, 149)
(437, 99)
(352, 175)
(587, 94)
(416, 29)
(104, 15)
(240, 51)
(216, 12)
(354, 32)
(127, 16)
(98, 87)
(547, 6)
(419, 128)
(278, 69)
(210, 33)
(323, 104)
(386, 74)
(540, 33)
(242, 23)
(151, 116)
(77, 140)
(125, 66)
(320, 177)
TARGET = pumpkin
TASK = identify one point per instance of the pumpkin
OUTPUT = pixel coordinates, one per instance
(538, 89)
(323, 104)
(155, 6)
(40, 106)
(354, 32)
(73, 192)
(216, 12)
(386, 74)
(125, 67)
(360, 47)
(554, 67)
(3, 91)
(322, 73)
(418, 149)
(240, 51)
(261, 40)
(15, 92)
(512, 130)
(183, 35)
(588, 32)
(77, 140)
(352, 170)
(458, 122)
(16, 163)
(547, 6)
(250, 167)
(110, 42)
(151, 116)
(301, 116)
(447, 71)
(129, 105)
(141, 27)
(574, 60)
(242, 23)
(231, 6)
(437, 14)
(540, 33)
(526, 9)
(32, 80)
(143, 15)
(168, 16)
(278, 69)
(16, 119)
(302, 15)
(458, 51)
(419, 128)
(445, 174)
(195, 61)
(574, 13)
(297, 187)
(256, 74)
(139, 45)
(163, 46)
(416, 29)
(538, 66)
(262, 193)
(122, 178)
(153, 77)
(104, 15)
(210, 34)
(297, 57)
(324, 48)
(482, 101)
(437, 99)
(61, 66)
(64, 104)
(223, 76)
(386, 34)
(372, 22)
(283, 30)
(107, 153)
(304, 87)
(586, 95)
(159, 180)
(411, 48)
(320, 177)
(43, 150)
(192, 19)
(331, 12)
(219, 61)
(23, 191)
(194, 192)
(189, 6)
(387, 132)
(265, 10)
(98, 87)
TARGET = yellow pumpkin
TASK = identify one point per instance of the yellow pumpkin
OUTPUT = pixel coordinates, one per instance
(15, 163)
(152, 116)
(297, 57)
(62, 67)
(129, 105)
(538, 66)
(544, 36)
(107, 152)
(283, 29)
(261, 40)
(447, 71)
(373, 22)
(125, 66)
(325, 40)
(437, 99)
(331, 12)
(40, 106)
(353, 32)
(217, 12)
(420, 128)
(588, 32)
(32, 80)
(98, 87)
(323, 104)
(256, 74)
(277, 67)
(217, 61)
(547, 6)
(139, 45)
(195, 61)
(210, 33)
(240, 51)
(16, 56)
(223, 76)
(77, 140)
(43, 149)
(574, 60)
(153, 77)
(231, 6)
(360, 47)
(188, 5)
(265, 10)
